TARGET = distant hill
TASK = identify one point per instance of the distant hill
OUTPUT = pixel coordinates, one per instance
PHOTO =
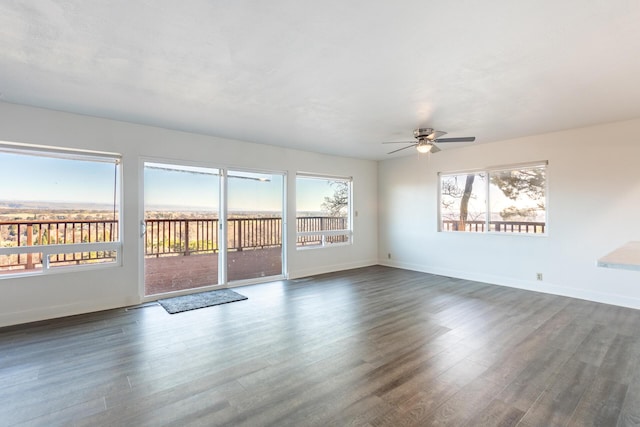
(19, 206)
(53, 206)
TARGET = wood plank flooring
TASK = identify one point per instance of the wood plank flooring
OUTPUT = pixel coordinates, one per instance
(375, 346)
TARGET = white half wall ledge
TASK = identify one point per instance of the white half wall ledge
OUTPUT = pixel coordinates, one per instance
(534, 286)
(40, 314)
(626, 257)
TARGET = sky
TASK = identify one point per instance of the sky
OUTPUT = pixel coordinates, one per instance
(199, 187)
(52, 179)
(310, 194)
(191, 187)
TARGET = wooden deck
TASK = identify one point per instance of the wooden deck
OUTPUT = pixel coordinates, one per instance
(178, 272)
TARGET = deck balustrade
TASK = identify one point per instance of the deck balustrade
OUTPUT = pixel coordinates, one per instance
(163, 237)
(524, 227)
(61, 232)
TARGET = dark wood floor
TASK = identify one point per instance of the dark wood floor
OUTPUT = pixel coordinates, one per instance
(373, 346)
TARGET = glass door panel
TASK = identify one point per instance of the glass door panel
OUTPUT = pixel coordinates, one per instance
(254, 225)
(181, 218)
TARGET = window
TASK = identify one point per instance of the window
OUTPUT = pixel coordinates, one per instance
(58, 208)
(463, 201)
(510, 199)
(323, 211)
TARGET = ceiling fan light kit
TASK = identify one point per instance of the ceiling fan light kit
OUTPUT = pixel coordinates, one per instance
(427, 139)
(423, 147)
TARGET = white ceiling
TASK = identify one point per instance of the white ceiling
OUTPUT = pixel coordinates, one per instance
(332, 76)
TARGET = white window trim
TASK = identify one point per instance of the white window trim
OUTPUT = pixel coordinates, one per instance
(59, 152)
(47, 250)
(323, 237)
(523, 165)
(488, 171)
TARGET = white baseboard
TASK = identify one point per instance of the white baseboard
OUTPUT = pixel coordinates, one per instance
(529, 285)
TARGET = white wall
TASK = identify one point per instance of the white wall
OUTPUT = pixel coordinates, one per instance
(594, 207)
(39, 297)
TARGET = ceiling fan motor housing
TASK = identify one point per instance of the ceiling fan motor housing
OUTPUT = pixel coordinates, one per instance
(422, 133)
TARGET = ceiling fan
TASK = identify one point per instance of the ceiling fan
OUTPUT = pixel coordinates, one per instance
(427, 139)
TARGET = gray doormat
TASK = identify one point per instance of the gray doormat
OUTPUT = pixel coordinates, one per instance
(200, 300)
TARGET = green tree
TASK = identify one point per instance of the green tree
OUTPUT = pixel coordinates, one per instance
(518, 183)
(512, 212)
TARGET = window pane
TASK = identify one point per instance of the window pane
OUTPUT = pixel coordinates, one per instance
(181, 207)
(322, 210)
(55, 199)
(463, 202)
(518, 200)
(254, 225)
(20, 263)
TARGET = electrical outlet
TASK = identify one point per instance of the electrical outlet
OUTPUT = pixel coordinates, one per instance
(538, 276)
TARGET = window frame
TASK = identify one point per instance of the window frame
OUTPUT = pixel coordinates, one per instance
(325, 234)
(488, 171)
(47, 250)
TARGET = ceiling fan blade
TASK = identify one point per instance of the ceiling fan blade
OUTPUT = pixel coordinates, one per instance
(403, 148)
(399, 142)
(435, 135)
(434, 148)
(463, 139)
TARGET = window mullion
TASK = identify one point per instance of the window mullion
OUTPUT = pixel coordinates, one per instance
(487, 186)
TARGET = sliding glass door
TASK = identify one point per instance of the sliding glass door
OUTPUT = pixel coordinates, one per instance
(254, 225)
(181, 227)
(185, 240)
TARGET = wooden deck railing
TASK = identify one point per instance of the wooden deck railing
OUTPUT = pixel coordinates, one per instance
(496, 226)
(190, 236)
(163, 236)
(310, 224)
(61, 232)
